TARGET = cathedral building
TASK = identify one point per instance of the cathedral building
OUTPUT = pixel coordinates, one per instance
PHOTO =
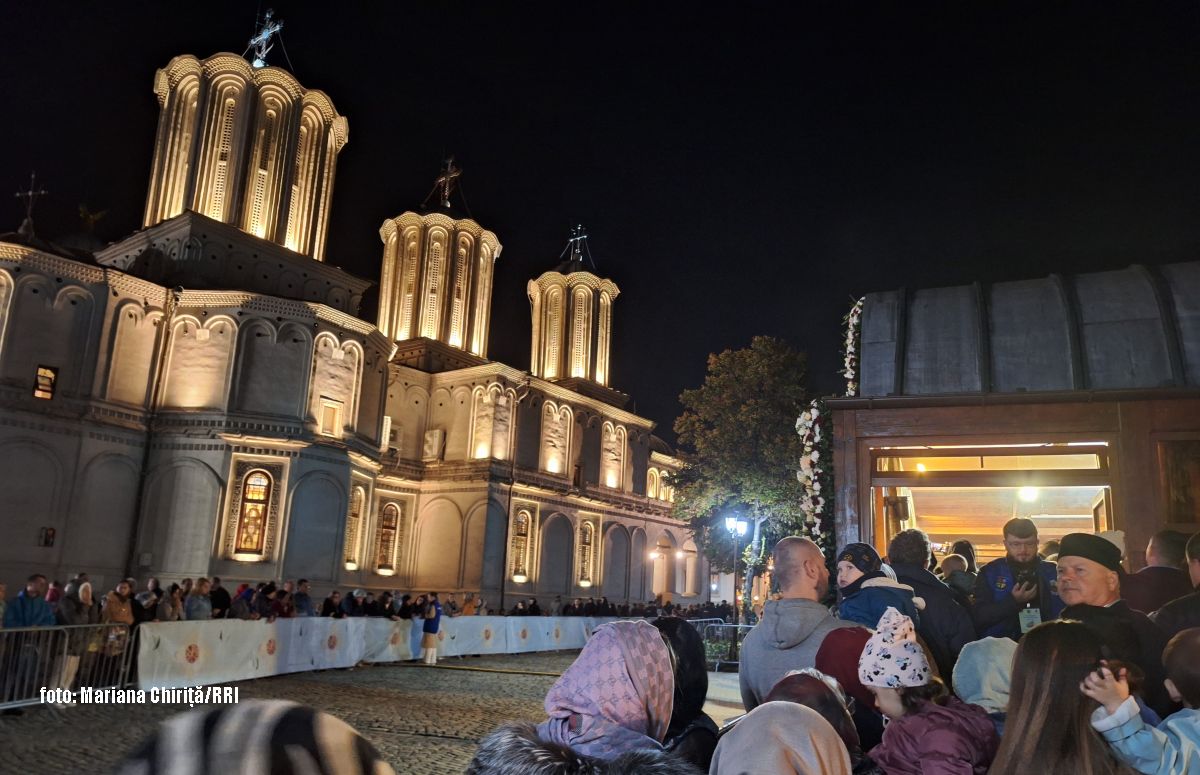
(204, 398)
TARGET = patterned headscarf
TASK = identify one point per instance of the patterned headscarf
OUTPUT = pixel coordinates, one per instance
(616, 696)
(892, 657)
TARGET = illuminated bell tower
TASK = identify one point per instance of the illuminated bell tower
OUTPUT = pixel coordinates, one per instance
(436, 280)
(572, 318)
(246, 145)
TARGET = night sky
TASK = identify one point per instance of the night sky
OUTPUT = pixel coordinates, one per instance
(742, 169)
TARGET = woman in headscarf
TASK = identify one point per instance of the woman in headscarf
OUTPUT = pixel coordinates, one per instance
(609, 712)
(781, 738)
(288, 739)
(691, 735)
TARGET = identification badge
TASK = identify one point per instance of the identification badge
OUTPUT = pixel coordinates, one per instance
(1030, 618)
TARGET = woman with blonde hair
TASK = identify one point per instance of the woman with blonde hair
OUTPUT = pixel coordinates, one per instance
(1048, 729)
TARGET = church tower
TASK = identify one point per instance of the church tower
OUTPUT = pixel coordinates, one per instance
(248, 146)
(572, 319)
(436, 280)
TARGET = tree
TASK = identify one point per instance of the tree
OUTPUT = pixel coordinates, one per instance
(739, 444)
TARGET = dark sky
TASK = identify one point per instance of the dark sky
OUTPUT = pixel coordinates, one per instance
(743, 169)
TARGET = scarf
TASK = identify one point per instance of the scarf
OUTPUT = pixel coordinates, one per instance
(616, 697)
(782, 738)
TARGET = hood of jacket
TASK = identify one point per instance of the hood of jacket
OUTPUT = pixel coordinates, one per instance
(789, 622)
(516, 749)
(963, 735)
(886, 583)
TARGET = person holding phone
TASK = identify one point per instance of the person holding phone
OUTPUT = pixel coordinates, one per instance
(1019, 591)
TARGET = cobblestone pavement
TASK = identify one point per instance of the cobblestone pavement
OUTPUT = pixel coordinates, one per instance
(424, 720)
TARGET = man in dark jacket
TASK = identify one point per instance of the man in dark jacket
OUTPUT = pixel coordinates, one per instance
(1163, 579)
(945, 625)
(1089, 575)
(29, 608)
(1017, 591)
(219, 596)
(1180, 614)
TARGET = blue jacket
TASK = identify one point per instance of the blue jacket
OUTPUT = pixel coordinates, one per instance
(866, 604)
(26, 611)
(996, 613)
(1171, 749)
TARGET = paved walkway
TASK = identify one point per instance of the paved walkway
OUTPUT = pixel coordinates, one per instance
(423, 720)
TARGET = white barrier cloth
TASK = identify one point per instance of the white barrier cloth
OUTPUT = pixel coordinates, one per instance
(189, 653)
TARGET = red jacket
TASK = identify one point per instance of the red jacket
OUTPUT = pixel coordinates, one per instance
(951, 739)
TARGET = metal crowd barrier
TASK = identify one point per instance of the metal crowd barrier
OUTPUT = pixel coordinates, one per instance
(723, 642)
(99, 656)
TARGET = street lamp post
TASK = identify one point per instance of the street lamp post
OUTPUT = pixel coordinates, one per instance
(737, 528)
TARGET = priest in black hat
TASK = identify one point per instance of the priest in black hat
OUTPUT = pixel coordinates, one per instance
(1089, 583)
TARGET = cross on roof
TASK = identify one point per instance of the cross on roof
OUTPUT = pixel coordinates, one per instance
(30, 197)
(261, 42)
(447, 179)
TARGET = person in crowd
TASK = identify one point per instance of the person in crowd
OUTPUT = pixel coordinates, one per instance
(519, 609)
(197, 606)
(418, 609)
(945, 627)
(781, 738)
(353, 604)
(931, 731)
(302, 601)
(143, 605)
(405, 611)
(170, 608)
(533, 609)
(838, 659)
(1088, 575)
(793, 626)
(1178, 615)
(983, 676)
(219, 596)
(481, 607)
(470, 605)
(812, 688)
(616, 725)
(1018, 591)
(965, 549)
(29, 608)
(961, 582)
(289, 586)
(1164, 578)
(54, 593)
(556, 608)
(1049, 550)
(451, 607)
(1174, 747)
(691, 733)
(118, 609)
(1048, 724)
(432, 619)
(1120, 646)
(186, 584)
(281, 606)
(76, 606)
(332, 605)
(371, 605)
(865, 592)
(589, 608)
(290, 739)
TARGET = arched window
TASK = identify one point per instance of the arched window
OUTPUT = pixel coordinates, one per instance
(587, 553)
(386, 536)
(409, 285)
(216, 209)
(353, 521)
(581, 331)
(431, 311)
(553, 329)
(252, 519)
(518, 551)
(652, 483)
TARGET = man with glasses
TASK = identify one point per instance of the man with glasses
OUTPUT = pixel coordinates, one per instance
(1018, 591)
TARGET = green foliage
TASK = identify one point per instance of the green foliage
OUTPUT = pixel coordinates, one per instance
(740, 447)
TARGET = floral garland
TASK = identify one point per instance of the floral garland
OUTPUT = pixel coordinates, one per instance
(816, 474)
(853, 321)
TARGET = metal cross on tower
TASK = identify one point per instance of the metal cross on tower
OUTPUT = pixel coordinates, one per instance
(30, 198)
(261, 42)
(577, 245)
(446, 180)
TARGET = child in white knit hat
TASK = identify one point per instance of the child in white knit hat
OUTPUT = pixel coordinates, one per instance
(930, 730)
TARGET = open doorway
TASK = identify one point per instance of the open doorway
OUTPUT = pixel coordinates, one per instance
(957, 492)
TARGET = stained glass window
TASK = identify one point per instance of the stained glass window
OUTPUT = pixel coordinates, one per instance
(256, 499)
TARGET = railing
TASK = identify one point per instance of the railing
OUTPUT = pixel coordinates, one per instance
(98, 656)
(723, 642)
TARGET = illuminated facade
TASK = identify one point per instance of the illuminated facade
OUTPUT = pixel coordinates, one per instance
(202, 397)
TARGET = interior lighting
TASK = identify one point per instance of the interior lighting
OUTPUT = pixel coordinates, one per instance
(1028, 494)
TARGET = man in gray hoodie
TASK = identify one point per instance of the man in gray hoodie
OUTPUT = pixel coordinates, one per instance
(792, 627)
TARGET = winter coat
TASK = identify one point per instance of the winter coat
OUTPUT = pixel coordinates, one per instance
(197, 608)
(221, 601)
(516, 749)
(1178, 615)
(1151, 588)
(168, 611)
(995, 612)
(945, 625)
(951, 739)
(71, 609)
(24, 611)
(116, 610)
(787, 638)
(1150, 644)
(869, 600)
(1171, 749)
